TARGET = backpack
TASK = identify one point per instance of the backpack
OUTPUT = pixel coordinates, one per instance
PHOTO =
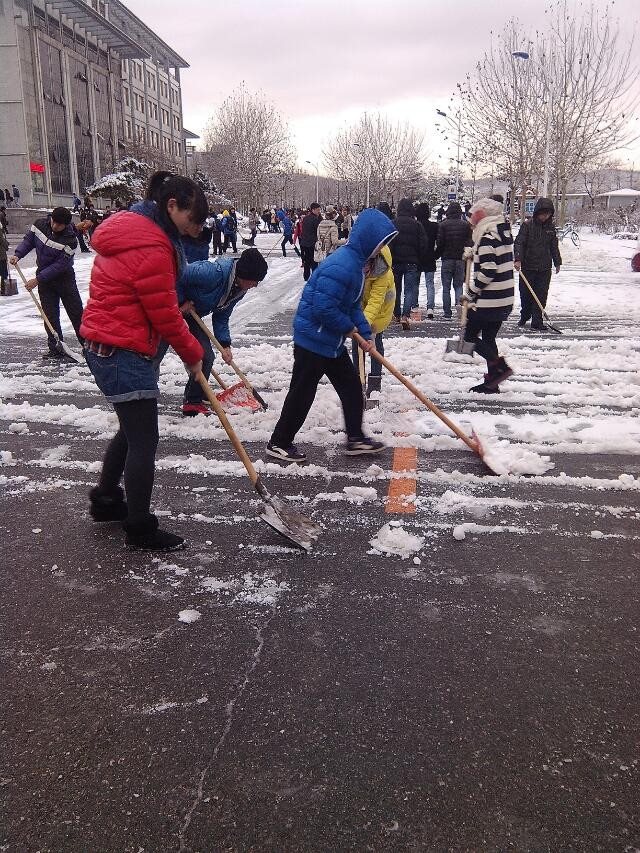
(320, 249)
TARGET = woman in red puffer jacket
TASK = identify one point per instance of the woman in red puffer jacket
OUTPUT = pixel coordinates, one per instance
(132, 304)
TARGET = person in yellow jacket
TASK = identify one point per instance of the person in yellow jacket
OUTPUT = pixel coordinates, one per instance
(378, 301)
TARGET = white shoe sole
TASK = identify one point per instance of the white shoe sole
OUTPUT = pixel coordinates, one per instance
(280, 458)
(367, 452)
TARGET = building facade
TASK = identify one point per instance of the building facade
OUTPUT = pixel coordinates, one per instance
(83, 83)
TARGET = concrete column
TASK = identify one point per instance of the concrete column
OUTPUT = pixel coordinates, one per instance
(95, 150)
(71, 136)
(43, 119)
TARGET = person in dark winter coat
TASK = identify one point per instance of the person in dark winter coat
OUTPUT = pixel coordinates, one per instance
(453, 235)
(428, 259)
(4, 225)
(407, 251)
(490, 290)
(54, 239)
(213, 287)
(440, 213)
(229, 228)
(308, 238)
(536, 250)
(4, 271)
(132, 306)
(329, 311)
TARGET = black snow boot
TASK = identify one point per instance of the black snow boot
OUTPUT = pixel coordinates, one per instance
(484, 389)
(107, 506)
(145, 535)
(499, 370)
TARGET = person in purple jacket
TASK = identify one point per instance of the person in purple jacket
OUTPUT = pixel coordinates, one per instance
(54, 239)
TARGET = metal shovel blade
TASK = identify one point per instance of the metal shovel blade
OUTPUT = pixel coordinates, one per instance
(461, 346)
(288, 522)
(63, 349)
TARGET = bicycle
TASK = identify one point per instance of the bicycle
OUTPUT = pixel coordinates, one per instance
(569, 230)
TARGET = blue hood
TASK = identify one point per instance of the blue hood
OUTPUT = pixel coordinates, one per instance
(372, 231)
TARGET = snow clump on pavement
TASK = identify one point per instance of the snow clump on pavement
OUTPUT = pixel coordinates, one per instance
(393, 539)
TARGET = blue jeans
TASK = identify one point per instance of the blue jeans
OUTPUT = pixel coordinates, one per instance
(193, 392)
(431, 289)
(411, 278)
(452, 272)
(124, 375)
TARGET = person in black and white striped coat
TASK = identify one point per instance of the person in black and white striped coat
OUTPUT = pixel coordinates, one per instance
(490, 294)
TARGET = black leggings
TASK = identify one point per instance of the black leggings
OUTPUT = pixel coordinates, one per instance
(476, 325)
(132, 451)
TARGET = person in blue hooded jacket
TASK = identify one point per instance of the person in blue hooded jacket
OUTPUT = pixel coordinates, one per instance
(329, 311)
(213, 287)
(287, 228)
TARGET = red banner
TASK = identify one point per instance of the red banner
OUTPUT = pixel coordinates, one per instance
(36, 167)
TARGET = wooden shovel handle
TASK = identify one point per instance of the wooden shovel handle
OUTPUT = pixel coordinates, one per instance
(36, 302)
(417, 393)
(533, 293)
(224, 420)
(220, 349)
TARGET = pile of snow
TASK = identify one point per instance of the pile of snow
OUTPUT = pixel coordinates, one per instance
(460, 530)
(505, 458)
(189, 615)
(393, 539)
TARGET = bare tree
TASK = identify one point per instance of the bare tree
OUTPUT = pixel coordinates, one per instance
(388, 155)
(580, 74)
(590, 71)
(501, 122)
(247, 142)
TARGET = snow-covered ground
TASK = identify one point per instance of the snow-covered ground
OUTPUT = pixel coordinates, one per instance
(575, 393)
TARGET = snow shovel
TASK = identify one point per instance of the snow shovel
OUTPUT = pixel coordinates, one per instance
(235, 367)
(459, 344)
(235, 395)
(60, 345)
(544, 313)
(285, 520)
(472, 442)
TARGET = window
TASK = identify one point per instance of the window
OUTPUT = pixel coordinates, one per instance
(153, 110)
(165, 116)
(166, 144)
(176, 121)
(176, 148)
(127, 127)
(125, 66)
(126, 96)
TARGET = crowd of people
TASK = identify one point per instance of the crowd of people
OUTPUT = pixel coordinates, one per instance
(153, 278)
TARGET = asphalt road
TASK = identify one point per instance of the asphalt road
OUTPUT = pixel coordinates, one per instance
(483, 700)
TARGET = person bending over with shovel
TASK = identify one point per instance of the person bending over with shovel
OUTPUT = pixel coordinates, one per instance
(132, 306)
(490, 294)
(329, 311)
(54, 239)
(213, 287)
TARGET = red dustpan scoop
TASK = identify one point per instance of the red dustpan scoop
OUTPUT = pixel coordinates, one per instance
(238, 396)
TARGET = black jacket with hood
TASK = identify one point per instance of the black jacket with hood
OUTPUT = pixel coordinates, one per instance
(454, 233)
(428, 260)
(309, 230)
(410, 244)
(536, 246)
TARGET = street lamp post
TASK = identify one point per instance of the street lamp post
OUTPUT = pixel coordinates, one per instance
(459, 128)
(315, 166)
(359, 145)
(522, 54)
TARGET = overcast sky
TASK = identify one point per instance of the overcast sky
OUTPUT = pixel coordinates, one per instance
(323, 62)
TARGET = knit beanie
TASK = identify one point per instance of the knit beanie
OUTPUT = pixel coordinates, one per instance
(251, 266)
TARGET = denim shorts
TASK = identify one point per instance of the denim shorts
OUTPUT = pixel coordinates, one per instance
(124, 375)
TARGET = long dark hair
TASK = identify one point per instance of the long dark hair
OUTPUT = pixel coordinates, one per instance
(188, 195)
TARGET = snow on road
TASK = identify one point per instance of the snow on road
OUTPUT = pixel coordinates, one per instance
(572, 394)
